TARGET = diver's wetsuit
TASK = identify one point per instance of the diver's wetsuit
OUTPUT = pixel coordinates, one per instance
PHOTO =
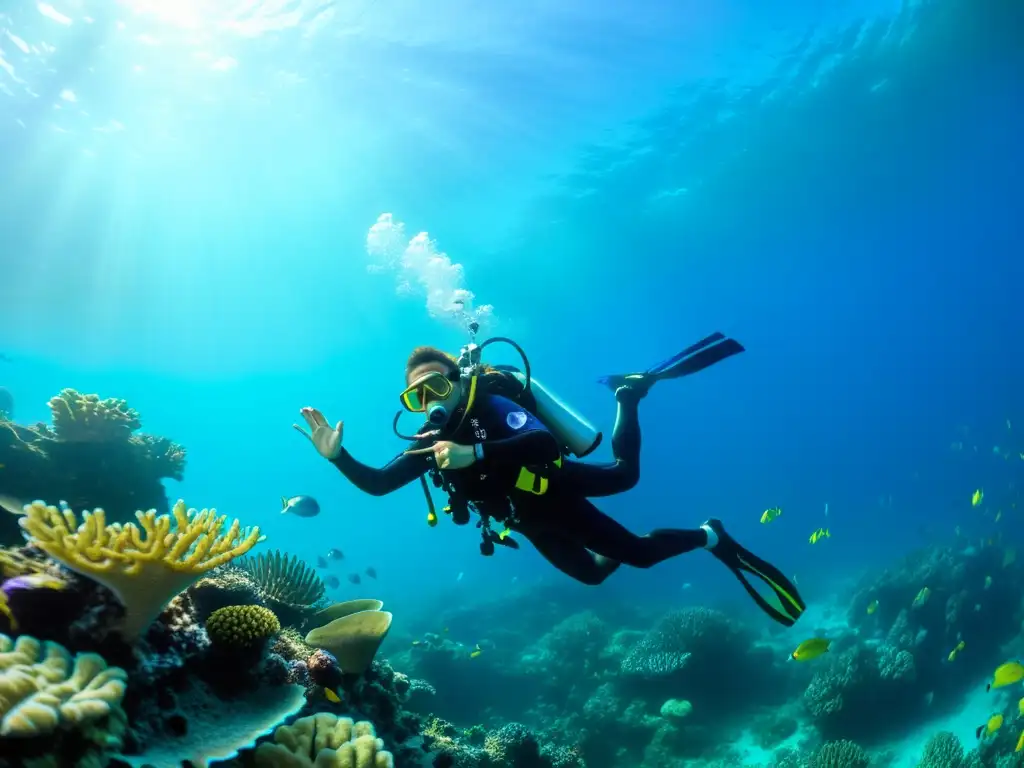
(607, 479)
(569, 531)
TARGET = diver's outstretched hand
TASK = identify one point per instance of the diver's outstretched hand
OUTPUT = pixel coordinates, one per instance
(327, 441)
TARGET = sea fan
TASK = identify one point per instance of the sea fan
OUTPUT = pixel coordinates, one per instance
(285, 579)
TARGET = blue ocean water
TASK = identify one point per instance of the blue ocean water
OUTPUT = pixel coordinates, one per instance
(188, 193)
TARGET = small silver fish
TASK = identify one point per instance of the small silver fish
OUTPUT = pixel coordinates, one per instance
(300, 506)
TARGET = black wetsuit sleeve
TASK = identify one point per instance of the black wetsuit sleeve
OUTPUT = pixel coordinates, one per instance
(401, 470)
(537, 446)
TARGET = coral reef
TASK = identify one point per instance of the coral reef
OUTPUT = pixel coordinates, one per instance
(132, 593)
(944, 750)
(284, 583)
(42, 685)
(145, 566)
(898, 653)
(513, 745)
(92, 456)
(353, 639)
(324, 741)
(242, 626)
(839, 754)
(57, 707)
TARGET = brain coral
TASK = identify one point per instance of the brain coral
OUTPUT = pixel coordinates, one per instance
(41, 686)
(324, 741)
(242, 626)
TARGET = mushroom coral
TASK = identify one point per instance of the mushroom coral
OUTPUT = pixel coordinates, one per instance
(144, 565)
(353, 639)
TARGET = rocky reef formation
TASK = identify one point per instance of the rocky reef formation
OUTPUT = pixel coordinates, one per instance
(90, 455)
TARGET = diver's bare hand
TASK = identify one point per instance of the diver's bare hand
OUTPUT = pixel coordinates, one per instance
(448, 455)
(327, 441)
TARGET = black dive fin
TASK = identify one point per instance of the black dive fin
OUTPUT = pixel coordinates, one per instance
(741, 560)
(693, 359)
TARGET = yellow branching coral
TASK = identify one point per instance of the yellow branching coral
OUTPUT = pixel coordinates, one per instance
(42, 686)
(144, 565)
(324, 741)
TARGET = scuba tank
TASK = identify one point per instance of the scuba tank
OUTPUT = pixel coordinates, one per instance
(574, 433)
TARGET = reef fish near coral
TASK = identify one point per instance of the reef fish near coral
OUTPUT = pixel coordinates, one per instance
(810, 649)
(300, 506)
(1006, 674)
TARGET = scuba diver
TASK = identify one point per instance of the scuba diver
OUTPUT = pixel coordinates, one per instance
(497, 442)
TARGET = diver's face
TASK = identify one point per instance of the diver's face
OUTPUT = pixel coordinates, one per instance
(423, 369)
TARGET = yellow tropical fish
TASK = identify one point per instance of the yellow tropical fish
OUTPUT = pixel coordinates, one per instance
(872, 607)
(994, 724)
(977, 497)
(1006, 674)
(921, 598)
(1020, 706)
(770, 514)
(818, 535)
(988, 582)
(332, 696)
(1020, 741)
(476, 651)
(810, 649)
(416, 642)
(959, 647)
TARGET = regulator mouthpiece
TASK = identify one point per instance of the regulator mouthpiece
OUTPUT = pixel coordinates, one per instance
(437, 415)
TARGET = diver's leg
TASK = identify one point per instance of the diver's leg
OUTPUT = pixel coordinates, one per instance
(599, 533)
(568, 556)
(577, 478)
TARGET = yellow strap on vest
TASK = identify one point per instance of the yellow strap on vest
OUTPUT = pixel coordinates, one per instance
(531, 482)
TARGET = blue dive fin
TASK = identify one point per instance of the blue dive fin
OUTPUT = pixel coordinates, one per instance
(694, 358)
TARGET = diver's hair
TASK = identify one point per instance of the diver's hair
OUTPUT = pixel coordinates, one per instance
(422, 355)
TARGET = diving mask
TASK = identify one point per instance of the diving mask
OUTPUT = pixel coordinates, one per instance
(430, 394)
